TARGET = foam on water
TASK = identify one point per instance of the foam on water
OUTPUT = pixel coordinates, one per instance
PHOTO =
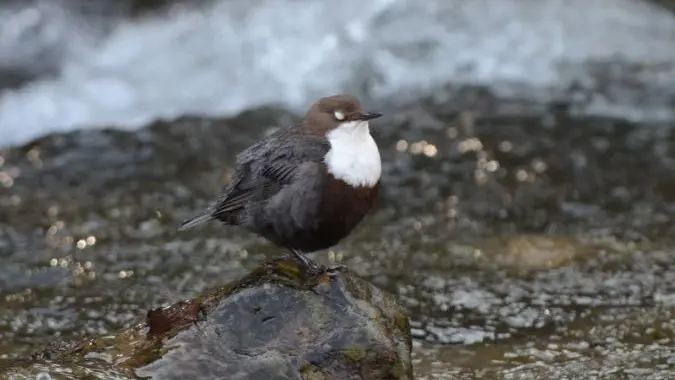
(222, 58)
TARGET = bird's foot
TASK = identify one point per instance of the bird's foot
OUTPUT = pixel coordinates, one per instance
(315, 269)
(334, 270)
(309, 265)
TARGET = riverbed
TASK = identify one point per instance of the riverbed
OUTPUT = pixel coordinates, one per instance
(527, 241)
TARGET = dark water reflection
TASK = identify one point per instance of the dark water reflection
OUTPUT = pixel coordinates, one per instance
(541, 242)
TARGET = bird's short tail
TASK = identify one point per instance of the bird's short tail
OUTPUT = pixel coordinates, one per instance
(189, 223)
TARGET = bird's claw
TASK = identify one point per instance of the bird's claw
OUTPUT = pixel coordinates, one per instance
(334, 270)
(306, 262)
(315, 269)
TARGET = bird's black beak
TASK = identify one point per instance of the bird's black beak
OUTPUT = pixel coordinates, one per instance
(369, 115)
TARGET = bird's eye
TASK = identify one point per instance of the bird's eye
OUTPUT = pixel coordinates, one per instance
(339, 115)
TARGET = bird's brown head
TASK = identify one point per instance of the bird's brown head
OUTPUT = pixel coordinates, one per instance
(354, 157)
(329, 113)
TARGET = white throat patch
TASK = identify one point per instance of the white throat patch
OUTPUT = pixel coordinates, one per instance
(354, 157)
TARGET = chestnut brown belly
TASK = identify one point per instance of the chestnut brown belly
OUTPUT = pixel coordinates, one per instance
(342, 208)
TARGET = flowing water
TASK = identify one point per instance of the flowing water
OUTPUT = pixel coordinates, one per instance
(100, 63)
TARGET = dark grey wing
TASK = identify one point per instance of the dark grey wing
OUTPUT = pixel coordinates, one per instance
(276, 169)
(262, 170)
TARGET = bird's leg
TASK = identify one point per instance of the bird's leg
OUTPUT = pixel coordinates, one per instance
(304, 259)
(317, 269)
(336, 269)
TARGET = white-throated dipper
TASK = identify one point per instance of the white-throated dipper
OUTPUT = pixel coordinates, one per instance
(305, 187)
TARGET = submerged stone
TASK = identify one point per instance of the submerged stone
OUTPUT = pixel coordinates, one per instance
(281, 321)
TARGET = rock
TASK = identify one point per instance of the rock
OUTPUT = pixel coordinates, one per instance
(281, 321)
(530, 252)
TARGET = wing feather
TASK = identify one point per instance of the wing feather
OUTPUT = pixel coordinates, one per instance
(262, 170)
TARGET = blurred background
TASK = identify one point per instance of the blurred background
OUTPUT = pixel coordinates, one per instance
(529, 167)
(69, 64)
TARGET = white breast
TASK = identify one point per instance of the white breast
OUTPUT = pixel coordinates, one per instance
(354, 157)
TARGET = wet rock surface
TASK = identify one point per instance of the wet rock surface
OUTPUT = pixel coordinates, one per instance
(526, 241)
(281, 321)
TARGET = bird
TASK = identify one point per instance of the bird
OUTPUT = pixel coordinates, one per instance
(306, 186)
